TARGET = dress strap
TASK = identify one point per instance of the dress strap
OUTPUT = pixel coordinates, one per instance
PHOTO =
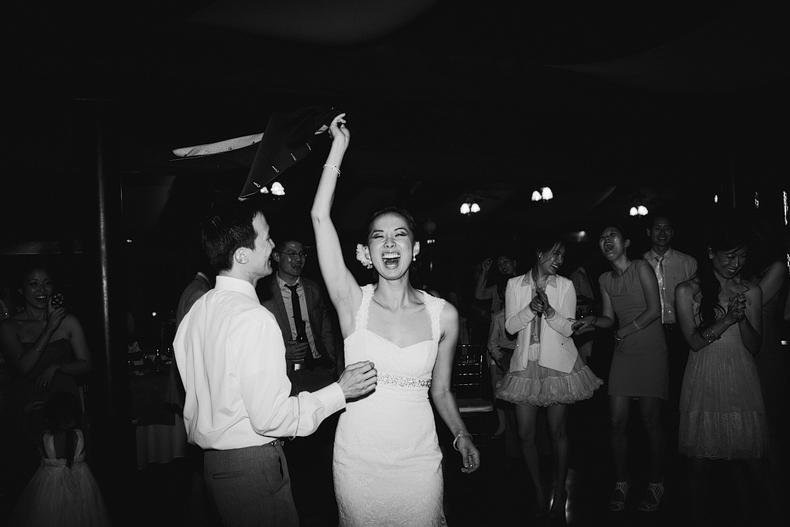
(361, 320)
(80, 446)
(435, 306)
(49, 445)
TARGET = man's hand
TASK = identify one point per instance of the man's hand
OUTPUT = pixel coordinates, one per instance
(296, 351)
(358, 379)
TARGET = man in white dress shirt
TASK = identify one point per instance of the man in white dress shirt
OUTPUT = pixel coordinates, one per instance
(231, 359)
(672, 267)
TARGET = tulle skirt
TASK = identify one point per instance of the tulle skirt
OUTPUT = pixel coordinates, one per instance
(542, 386)
(63, 496)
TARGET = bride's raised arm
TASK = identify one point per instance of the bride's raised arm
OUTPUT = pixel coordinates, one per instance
(340, 283)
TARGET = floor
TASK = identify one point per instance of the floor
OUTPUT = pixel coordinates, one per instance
(499, 493)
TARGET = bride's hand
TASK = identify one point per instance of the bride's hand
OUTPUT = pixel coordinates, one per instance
(469, 454)
(338, 131)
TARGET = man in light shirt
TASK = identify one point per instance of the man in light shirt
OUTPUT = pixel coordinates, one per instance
(231, 358)
(672, 267)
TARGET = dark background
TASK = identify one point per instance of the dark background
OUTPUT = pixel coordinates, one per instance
(608, 103)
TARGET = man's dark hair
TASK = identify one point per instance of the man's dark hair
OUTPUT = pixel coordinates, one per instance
(227, 227)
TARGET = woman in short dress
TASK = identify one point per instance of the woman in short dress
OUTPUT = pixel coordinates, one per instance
(629, 295)
(546, 369)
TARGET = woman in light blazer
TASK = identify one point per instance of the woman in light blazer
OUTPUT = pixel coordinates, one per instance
(546, 369)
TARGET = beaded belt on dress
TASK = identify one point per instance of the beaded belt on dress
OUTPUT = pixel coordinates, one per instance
(402, 380)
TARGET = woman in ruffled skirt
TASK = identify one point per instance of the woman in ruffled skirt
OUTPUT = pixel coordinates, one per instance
(546, 369)
(722, 416)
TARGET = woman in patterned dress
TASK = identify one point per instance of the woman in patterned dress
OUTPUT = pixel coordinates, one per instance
(722, 415)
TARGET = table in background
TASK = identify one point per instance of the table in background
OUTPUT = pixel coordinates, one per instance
(160, 435)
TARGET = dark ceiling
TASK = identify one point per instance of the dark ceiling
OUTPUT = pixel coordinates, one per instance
(606, 102)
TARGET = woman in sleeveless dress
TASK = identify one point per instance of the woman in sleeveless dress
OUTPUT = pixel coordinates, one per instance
(546, 369)
(387, 464)
(63, 490)
(46, 351)
(639, 367)
(721, 406)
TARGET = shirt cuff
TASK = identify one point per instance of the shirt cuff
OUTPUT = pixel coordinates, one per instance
(526, 315)
(331, 397)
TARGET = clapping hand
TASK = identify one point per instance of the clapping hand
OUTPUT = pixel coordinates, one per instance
(540, 303)
(738, 307)
(537, 305)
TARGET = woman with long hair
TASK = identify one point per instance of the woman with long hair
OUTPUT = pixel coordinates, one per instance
(721, 406)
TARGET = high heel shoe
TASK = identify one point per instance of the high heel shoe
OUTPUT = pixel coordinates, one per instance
(557, 511)
(615, 504)
(648, 505)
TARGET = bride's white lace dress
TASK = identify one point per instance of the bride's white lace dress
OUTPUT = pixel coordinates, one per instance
(387, 462)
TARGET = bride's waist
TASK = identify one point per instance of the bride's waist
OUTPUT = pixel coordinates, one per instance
(401, 388)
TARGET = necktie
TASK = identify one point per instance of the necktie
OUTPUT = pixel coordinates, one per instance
(301, 334)
(301, 330)
(660, 277)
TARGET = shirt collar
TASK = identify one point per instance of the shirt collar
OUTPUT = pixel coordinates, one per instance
(283, 284)
(229, 283)
(667, 255)
(528, 280)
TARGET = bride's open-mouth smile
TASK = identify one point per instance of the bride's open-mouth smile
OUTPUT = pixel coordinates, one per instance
(390, 259)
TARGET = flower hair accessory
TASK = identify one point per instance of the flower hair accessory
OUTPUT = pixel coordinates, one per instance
(363, 258)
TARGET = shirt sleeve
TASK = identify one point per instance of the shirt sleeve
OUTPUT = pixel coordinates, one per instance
(265, 387)
(493, 334)
(564, 309)
(484, 293)
(516, 317)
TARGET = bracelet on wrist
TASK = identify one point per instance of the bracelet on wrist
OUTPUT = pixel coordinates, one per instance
(458, 436)
(709, 335)
(333, 167)
(636, 325)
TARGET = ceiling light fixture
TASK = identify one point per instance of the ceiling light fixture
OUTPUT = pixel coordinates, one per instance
(638, 209)
(470, 205)
(544, 194)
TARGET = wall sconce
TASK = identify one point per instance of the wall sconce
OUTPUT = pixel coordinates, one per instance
(470, 206)
(544, 194)
(430, 227)
(641, 210)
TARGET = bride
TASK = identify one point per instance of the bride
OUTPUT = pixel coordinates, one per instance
(387, 462)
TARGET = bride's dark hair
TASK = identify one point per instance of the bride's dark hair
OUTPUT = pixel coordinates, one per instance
(727, 235)
(410, 223)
